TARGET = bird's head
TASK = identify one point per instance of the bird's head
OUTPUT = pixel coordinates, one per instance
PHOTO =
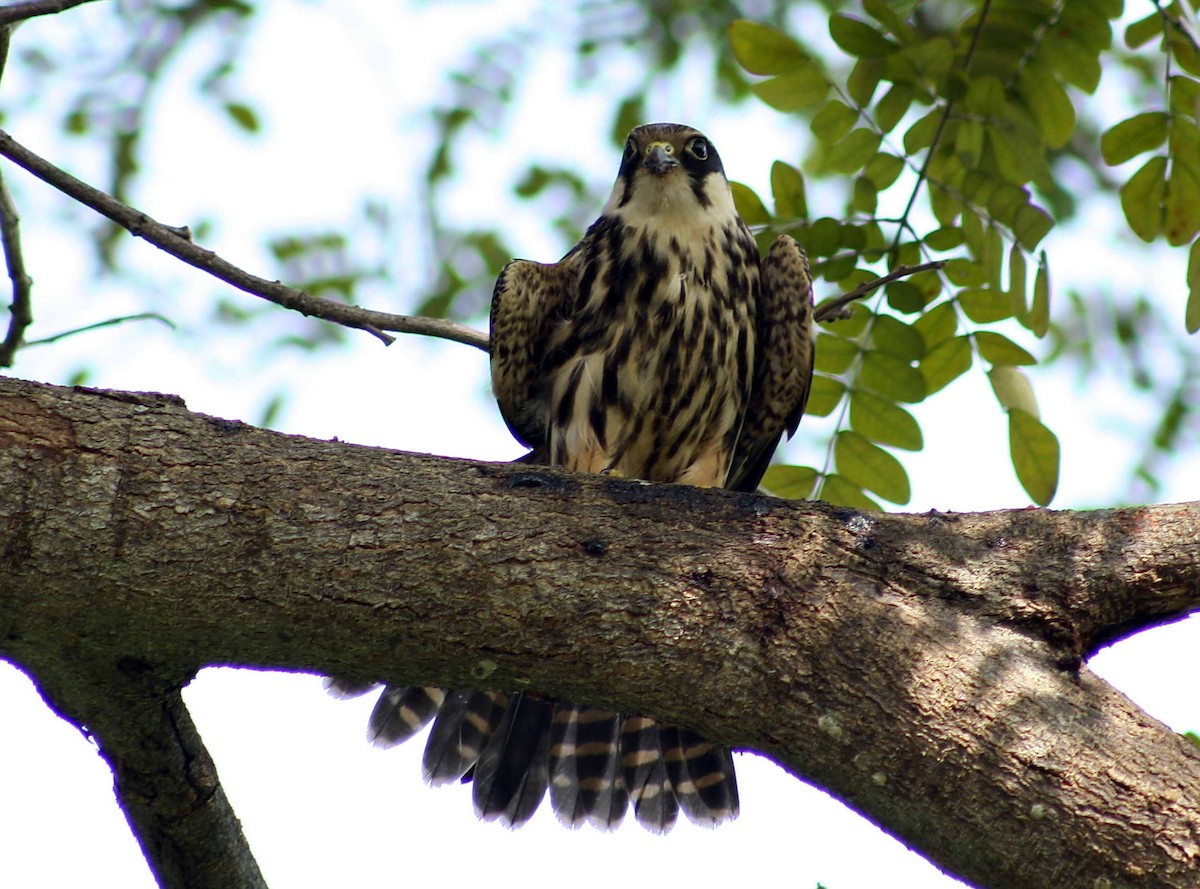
(669, 168)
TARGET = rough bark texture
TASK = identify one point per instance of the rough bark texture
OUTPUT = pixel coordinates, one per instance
(928, 670)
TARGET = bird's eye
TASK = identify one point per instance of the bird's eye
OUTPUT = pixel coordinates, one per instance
(630, 149)
(698, 148)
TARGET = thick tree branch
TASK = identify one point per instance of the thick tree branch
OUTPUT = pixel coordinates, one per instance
(925, 669)
(177, 242)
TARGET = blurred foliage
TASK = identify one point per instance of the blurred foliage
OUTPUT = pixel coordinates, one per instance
(951, 130)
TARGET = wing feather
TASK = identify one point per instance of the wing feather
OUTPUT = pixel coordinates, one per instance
(527, 302)
(783, 361)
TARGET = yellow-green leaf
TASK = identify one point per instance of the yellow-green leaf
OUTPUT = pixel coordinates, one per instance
(1048, 104)
(1191, 317)
(1031, 224)
(1142, 132)
(834, 354)
(833, 121)
(892, 378)
(1035, 456)
(1142, 198)
(1013, 390)
(938, 324)
(920, 134)
(884, 422)
(893, 336)
(945, 238)
(853, 152)
(996, 348)
(1037, 320)
(1144, 30)
(948, 361)
(893, 106)
(793, 91)
(824, 395)
(749, 206)
(787, 187)
(871, 467)
(983, 305)
(1181, 213)
(790, 482)
(1016, 280)
(883, 169)
(858, 38)
(761, 49)
(840, 492)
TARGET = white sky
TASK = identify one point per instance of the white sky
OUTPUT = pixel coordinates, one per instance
(340, 86)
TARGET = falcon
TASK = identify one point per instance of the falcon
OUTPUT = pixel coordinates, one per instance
(660, 348)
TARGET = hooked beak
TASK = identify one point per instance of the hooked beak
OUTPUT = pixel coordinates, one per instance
(660, 157)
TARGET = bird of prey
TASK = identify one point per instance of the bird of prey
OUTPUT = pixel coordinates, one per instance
(660, 348)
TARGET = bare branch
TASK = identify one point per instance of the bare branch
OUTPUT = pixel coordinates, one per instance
(18, 12)
(108, 322)
(834, 309)
(177, 242)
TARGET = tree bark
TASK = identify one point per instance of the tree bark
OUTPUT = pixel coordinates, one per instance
(926, 669)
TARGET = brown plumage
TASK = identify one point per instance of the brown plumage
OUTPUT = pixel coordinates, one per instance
(660, 348)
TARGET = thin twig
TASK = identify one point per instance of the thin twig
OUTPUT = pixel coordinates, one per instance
(20, 313)
(834, 309)
(18, 12)
(141, 316)
(176, 241)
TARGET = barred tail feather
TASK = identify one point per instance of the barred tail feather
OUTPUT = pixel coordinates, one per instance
(401, 712)
(702, 776)
(512, 773)
(461, 730)
(646, 776)
(342, 688)
(587, 782)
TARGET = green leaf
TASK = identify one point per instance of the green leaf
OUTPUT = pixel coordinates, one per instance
(863, 80)
(920, 134)
(824, 395)
(904, 296)
(983, 305)
(1140, 133)
(764, 50)
(858, 38)
(1038, 318)
(1073, 61)
(833, 121)
(1013, 390)
(884, 422)
(1035, 456)
(948, 361)
(1191, 316)
(1181, 217)
(749, 205)
(893, 106)
(853, 152)
(996, 348)
(938, 324)
(893, 336)
(244, 116)
(883, 169)
(1031, 225)
(790, 482)
(787, 187)
(944, 238)
(871, 467)
(891, 377)
(840, 492)
(834, 354)
(1016, 280)
(1048, 104)
(793, 91)
(1144, 30)
(1142, 198)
